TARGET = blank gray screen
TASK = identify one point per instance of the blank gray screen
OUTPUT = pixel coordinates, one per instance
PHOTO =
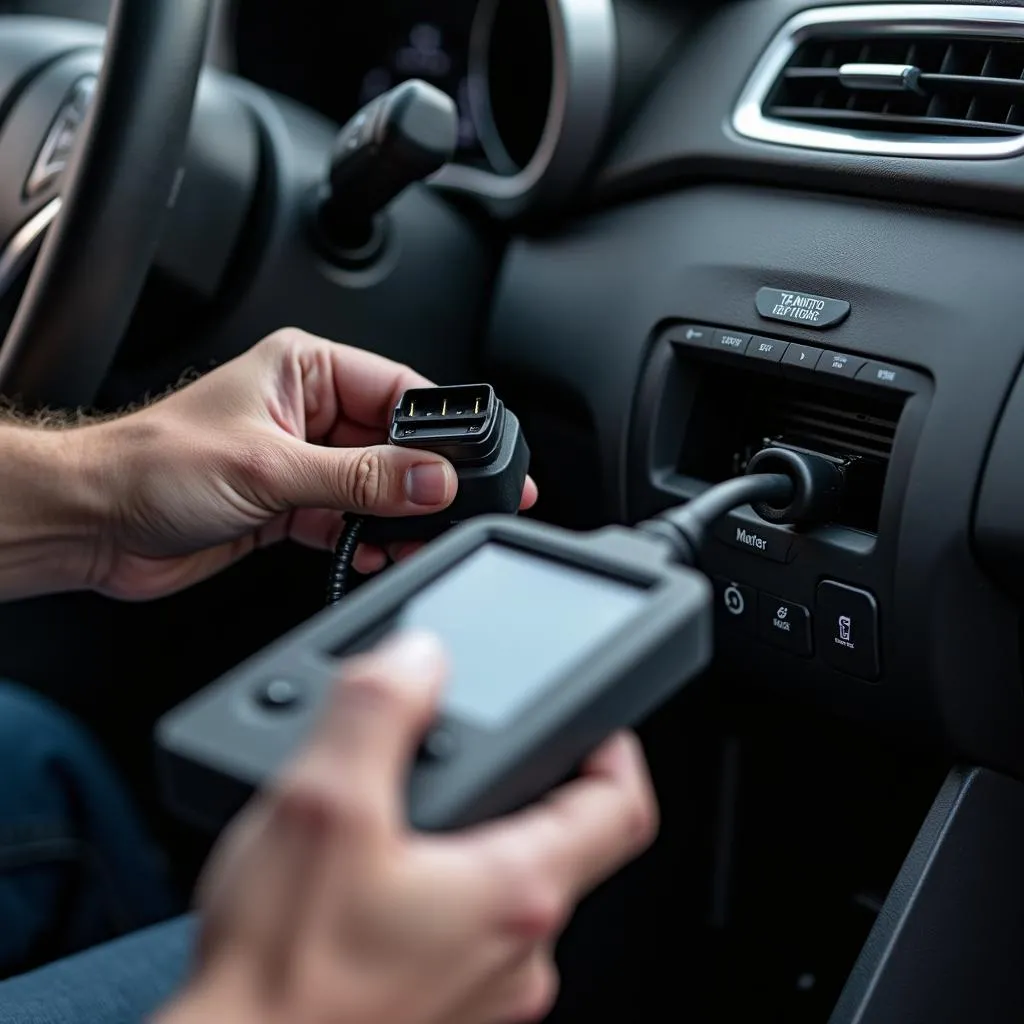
(512, 623)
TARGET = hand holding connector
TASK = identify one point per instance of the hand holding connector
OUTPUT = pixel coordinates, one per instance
(470, 427)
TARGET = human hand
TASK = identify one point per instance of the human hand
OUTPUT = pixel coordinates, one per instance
(320, 904)
(278, 443)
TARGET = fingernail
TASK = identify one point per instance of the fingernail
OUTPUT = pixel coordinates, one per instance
(412, 656)
(429, 483)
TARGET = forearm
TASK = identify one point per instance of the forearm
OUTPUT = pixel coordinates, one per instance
(51, 510)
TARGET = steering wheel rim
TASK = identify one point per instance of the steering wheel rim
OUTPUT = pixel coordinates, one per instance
(117, 191)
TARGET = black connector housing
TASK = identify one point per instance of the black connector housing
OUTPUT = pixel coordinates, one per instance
(470, 427)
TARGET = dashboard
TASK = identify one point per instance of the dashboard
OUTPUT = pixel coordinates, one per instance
(690, 159)
(506, 65)
(319, 60)
(688, 230)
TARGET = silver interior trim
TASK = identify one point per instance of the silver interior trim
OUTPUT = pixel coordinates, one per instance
(873, 19)
(25, 243)
(583, 93)
(883, 77)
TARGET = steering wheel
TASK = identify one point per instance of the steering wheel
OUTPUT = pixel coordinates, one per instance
(115, 192)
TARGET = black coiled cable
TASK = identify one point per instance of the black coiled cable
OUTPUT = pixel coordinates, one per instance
(341, 564)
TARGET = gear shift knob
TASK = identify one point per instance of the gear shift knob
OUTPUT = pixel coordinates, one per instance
(399, 138)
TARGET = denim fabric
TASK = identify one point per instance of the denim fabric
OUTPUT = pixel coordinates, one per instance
(75, 865)
(122, 982)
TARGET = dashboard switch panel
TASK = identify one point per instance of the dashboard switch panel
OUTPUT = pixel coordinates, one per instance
(848, 630)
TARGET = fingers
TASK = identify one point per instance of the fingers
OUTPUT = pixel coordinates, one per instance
(529, 993)
(369, 560)
(360, 758)
(383, 481)
(530, 495)
(252, 892)
(362, 386)
(583, 833)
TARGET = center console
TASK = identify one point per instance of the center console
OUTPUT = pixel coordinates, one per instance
(815, 602)
(663, 343)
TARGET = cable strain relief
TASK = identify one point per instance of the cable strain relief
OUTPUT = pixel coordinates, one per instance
(683, 548)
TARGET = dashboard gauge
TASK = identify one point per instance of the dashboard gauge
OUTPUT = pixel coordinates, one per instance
(435, 53)
(543, 76)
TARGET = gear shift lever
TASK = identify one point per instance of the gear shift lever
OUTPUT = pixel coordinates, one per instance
(399, 138)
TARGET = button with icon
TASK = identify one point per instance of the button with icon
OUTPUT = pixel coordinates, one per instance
(784, 624)
(847, 629)
(736, 604)
(692, 335)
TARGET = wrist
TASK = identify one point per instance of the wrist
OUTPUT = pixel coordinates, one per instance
(52, 509)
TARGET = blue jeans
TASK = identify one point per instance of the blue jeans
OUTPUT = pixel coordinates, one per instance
(121, 982)
(76, 867)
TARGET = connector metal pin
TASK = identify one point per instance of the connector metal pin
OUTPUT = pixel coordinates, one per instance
(444, 407)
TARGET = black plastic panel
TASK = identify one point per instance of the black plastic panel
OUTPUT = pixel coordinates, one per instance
(578, 316)
(683, 133)
(422, 302)
(999, 523)
(948, 943)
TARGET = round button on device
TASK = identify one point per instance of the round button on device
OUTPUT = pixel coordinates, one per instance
(438, 745)
(278, 695)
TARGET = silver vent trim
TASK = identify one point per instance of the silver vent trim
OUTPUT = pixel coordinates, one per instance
(873, 19)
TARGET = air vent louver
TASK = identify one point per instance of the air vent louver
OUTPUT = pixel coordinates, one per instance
(965, 87)
(905, 80)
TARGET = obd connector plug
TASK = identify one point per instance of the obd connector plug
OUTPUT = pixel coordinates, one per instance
(470, 427)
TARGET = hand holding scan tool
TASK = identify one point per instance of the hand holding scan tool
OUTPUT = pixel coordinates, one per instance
(556, 640)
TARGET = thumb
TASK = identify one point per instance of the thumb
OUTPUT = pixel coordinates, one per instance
(381, 481)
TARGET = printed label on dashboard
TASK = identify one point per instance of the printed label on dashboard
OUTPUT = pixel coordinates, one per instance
(801, 308)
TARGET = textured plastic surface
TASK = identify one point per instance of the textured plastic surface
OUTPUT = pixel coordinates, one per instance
(999, 520)
(577, 317)
(949, 941)
(681, 136)
(420, 303)
(218, 745)
(221, 171)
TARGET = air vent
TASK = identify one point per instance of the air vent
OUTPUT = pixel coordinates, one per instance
(901, 80)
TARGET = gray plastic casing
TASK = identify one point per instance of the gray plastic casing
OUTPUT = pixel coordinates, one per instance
(221, 744)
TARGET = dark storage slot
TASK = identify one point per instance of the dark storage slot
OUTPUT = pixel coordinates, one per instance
(737, 412)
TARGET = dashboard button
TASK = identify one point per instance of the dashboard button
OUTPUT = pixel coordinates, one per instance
(730, 341)
(840, 364)
(895, 377)
(764, 540)
(784, 624)
(691, 335)
(847, 629)
(803, 357)
(736, 604)
(767, 349)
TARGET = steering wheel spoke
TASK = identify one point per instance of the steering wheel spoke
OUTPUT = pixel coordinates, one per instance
(87, 175)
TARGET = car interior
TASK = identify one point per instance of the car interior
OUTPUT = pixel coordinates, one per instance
(673, 233)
